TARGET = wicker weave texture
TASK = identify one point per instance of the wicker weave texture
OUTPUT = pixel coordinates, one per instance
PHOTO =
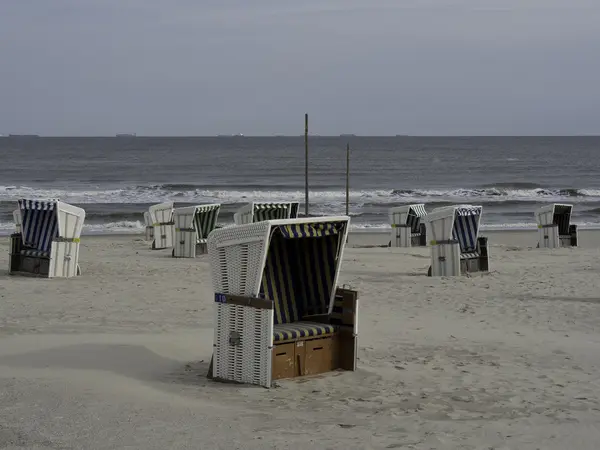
(243, 344)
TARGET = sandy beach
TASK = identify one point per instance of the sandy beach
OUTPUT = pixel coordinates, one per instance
(117, 358)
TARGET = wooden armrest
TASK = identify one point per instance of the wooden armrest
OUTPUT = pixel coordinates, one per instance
(253, 302)
(349, 305)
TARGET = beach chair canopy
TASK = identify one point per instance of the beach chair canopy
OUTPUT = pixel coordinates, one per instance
(161, 213)
(260, 211)
(147, 219)
(555, 214)
(459, 223)
(202, 218)
(45, 220)
(410, 215)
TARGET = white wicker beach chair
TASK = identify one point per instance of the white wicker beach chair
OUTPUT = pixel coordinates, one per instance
(257, 212)
(48, 245)
(149, 227)
(554, 226)
(161, 216)
(408, 229)
(278, 312)
(17, 220)
(456, 247)
(193, 224)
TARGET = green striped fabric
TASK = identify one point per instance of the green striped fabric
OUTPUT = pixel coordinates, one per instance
(270, 211)
(205, 220)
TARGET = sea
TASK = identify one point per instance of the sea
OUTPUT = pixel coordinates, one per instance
(116, 179)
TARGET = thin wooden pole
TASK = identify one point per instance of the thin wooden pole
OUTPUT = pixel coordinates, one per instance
(347, 179)
(306, 165)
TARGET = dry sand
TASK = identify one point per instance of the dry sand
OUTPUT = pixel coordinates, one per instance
(117, 358)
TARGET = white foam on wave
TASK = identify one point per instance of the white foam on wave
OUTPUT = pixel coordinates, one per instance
(122, 226)
(324, 198)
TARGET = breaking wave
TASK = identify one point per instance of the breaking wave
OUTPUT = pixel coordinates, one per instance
(192, 193)
(115, 209)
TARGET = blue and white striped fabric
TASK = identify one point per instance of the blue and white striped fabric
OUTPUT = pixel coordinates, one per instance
(465, 228)
(40, 223)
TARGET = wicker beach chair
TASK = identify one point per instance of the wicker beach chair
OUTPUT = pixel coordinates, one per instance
(192, 225)
(149, 228)
(408, 229)
(278, 310)
(456, 247)
(48, 244)
(554, 226)
(257, 212)
(161, 217)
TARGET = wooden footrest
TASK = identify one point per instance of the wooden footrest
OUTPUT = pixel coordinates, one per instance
(305, 357)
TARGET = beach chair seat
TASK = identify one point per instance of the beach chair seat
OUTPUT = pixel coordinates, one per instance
(554, 226)
(192, 225)
(456, 247)
(301, 330)
(48, 244)
(34, 252)
(260, 211)
(279, 313)
(408, 229)
(161, 218)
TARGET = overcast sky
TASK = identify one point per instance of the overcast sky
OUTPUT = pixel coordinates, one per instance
(371, 67)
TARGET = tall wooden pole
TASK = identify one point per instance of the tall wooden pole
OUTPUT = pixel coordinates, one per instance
(306, 165)
(347, 179)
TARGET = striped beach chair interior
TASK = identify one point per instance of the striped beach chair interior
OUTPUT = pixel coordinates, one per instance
(39, 226)
(299, 275)
(294, 208)
(465, 231)
(205, 220)
(414, 218)
(562, 218)
(270, 211)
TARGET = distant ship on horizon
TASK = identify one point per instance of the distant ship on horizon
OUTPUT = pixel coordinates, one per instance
(24, 135)
(125, 135)
(347, 135)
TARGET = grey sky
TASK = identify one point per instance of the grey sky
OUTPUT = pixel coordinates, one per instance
(198, 67)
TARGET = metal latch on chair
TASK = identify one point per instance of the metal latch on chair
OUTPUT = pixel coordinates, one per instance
(235, 338)
(441, 258)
